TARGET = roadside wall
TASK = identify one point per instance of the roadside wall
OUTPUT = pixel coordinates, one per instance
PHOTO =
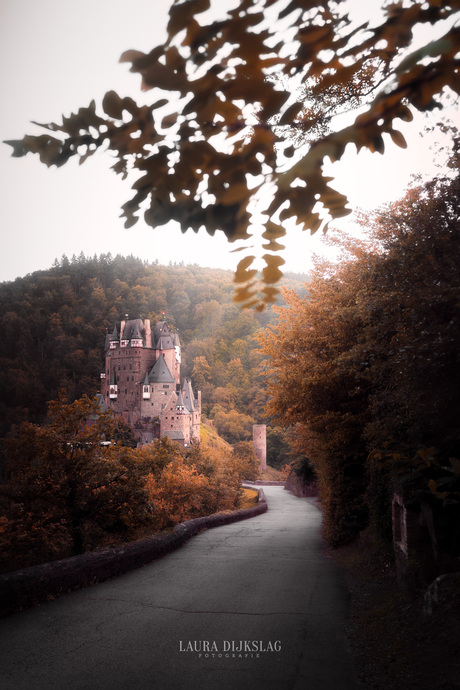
(24, 588)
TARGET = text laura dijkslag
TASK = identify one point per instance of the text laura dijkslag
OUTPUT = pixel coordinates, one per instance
(228, 649)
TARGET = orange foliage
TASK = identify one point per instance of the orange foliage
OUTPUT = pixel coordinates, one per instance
(180, 493)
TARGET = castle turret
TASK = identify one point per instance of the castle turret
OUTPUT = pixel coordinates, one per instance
(136, 336)
(180, 407)
(114, 340)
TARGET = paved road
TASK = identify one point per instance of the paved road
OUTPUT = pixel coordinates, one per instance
(262, 581)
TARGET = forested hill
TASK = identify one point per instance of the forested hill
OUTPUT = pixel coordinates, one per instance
(55, 322)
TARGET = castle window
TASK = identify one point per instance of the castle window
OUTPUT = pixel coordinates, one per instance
(166, 385)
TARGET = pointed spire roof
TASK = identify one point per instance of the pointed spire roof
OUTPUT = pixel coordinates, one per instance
(165, 342)
(187, 394)
(160, 373)
(113, 379)
(160, 329)
(136, 332)
(102, 405)
(146, 379)
(114, 335)
(134, 328)
(180, 400)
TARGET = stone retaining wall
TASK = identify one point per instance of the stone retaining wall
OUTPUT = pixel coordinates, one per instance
(24, 588)
(301, 488)
(250, 483)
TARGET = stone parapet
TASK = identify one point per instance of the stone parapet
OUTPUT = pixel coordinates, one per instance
(30, 586)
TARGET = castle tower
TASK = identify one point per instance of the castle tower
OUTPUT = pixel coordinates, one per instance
(259, 440)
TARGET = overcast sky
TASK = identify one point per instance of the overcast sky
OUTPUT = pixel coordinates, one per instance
(56, 56)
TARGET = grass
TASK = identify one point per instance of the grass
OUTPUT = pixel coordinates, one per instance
(272, 475)
(249, 499)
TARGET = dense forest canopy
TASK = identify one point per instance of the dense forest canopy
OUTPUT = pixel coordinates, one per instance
(241, 116)
(55, 323)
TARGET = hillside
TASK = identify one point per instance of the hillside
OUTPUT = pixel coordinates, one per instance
(55, 322)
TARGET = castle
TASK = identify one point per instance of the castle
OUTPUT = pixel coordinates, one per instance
(142, 383)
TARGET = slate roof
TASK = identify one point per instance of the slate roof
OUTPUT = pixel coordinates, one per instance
(102, 405)
(160, 373)
(165, 342)
(160, 329)
(187, 393)
(134, 328)
(174, 435)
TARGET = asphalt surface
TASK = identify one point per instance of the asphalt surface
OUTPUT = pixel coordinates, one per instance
(254, 604)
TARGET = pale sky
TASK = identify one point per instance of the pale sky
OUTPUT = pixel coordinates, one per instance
(56, 56)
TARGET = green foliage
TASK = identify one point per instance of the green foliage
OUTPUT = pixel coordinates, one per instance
(281, 449)
(222, 127)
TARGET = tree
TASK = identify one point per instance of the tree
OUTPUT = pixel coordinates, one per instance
(233, 426)
(180, 493)
(245, 460)
(310, 389)
(65, 491)
(367, 365)
(214, 147)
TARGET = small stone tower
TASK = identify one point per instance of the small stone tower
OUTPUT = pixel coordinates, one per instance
(259, 439)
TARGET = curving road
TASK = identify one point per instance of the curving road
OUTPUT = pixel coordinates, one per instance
(254, 604)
